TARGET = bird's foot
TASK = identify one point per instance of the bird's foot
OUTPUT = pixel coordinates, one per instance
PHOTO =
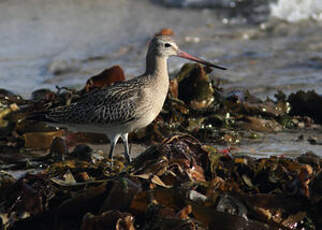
(128, 158)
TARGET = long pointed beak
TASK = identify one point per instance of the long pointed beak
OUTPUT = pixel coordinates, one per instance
(185, 55)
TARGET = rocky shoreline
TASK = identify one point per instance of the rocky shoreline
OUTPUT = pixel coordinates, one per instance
(181, 181)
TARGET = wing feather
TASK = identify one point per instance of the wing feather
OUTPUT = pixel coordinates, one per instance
(115, 104)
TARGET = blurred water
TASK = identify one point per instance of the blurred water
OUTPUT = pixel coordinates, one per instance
(267, 45)
(81, 37)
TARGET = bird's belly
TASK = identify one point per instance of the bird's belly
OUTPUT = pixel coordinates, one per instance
(143, 121)
(148, 114)
(107, 129)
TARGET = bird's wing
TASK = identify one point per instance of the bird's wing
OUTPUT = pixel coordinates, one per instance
(115, 104)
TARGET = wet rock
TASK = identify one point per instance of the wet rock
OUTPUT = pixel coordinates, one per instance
(314, 140)
(58, 67)
(236, 95)
(259, 124)
(43, 94)
(267, 108)
(82, 152)
(231, 205)
(300, 138)
(58, 149)
(311, 159)
(41, 140)
(194, 87)
(306, 104)
(105, 78)
(7, 93)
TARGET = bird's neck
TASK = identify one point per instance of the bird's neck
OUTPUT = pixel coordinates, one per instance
(157, 75)
(156, 66)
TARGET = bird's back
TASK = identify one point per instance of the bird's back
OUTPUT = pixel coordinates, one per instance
(116, 104)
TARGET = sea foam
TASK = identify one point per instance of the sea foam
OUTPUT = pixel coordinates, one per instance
(297, 10)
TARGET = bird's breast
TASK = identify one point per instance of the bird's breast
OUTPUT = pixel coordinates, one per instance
(150, 106)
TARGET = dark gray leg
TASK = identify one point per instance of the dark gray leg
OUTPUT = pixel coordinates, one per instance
(126, 147)
(113, 144)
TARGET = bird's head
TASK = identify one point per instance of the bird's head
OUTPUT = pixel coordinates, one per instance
(165, 46)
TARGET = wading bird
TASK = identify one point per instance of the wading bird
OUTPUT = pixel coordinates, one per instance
(124, 106)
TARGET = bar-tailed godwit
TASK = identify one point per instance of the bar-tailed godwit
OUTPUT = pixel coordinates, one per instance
(124, 106)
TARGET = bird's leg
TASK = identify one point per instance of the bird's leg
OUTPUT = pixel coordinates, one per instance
(113, 144)
(126, 147)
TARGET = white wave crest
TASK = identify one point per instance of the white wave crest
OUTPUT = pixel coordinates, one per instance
(296, 10)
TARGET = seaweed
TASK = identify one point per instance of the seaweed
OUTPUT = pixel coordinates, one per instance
(181, 181)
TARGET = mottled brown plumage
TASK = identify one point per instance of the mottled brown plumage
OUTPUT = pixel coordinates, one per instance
(124, 106)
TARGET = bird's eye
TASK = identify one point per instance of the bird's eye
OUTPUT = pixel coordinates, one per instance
(167, 45)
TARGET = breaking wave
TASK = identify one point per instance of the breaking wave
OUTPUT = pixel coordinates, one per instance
(260, 10)
(297, 10)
